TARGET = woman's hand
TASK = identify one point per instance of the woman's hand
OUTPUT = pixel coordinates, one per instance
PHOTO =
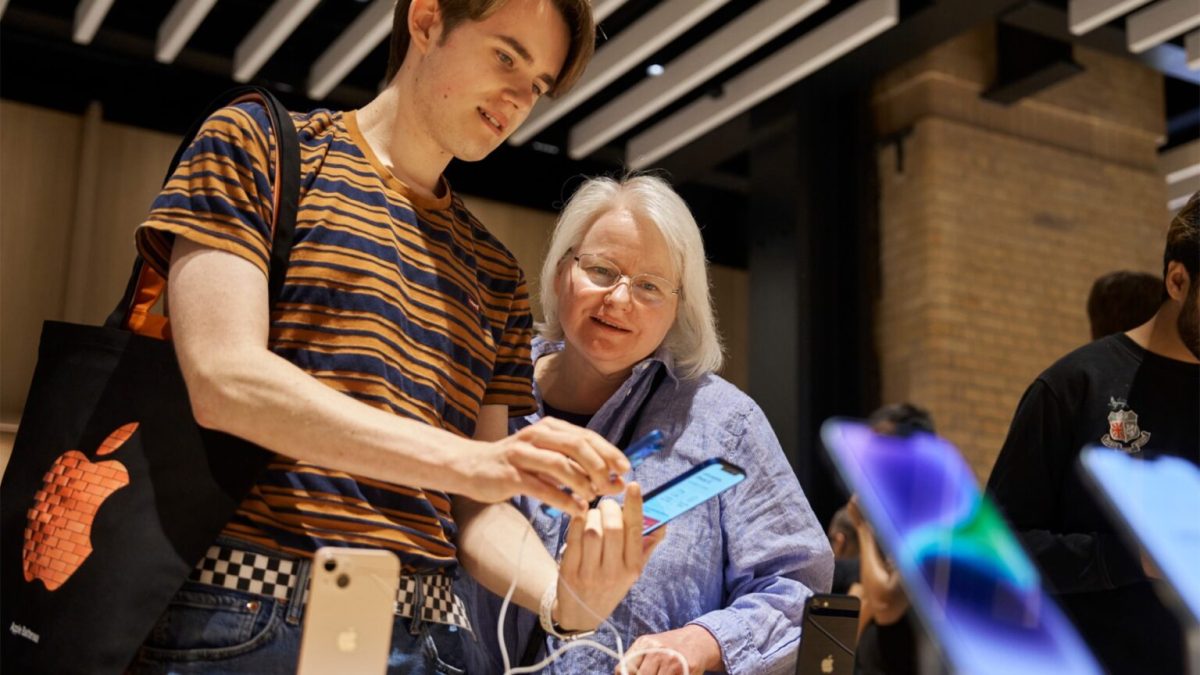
(697, 646)
(605, 554)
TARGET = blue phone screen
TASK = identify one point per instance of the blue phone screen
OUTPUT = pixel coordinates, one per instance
(687, 492)
(1157, 500)
(966, 575)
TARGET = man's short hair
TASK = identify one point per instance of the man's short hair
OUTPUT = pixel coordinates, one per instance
(1122, 300)
(1183, 239)
(577, 14)
(901, 419)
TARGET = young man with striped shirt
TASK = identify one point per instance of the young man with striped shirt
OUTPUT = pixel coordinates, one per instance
(384, 377)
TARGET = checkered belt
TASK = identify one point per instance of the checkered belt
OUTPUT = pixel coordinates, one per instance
(235, 569)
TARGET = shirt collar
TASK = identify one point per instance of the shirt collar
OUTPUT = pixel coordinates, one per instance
(541, 347)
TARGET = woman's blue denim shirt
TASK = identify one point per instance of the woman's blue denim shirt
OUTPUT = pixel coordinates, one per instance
(740, 565)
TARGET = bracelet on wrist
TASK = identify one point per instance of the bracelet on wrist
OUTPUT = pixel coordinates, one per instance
(546, 617)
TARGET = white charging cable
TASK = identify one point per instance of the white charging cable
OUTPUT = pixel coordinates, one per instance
(620, 655)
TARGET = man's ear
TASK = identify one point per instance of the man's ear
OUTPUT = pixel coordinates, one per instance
(839, 543)
(424, 24)
(1178, 281)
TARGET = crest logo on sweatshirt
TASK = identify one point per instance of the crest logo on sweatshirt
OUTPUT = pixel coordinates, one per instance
(1124, 434)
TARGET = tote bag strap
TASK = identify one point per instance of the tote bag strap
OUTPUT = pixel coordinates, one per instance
(145, 286)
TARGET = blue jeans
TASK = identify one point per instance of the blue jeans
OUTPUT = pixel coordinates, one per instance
(207, 629)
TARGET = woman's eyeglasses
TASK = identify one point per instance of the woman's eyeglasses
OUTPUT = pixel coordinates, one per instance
(647, 289)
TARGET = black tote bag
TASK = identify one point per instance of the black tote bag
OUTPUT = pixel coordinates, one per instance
(113, 492)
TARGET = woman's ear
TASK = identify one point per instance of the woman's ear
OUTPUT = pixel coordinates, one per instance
(561, 270)
(424, 24)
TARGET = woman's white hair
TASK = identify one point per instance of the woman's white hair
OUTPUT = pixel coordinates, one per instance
(693, 341)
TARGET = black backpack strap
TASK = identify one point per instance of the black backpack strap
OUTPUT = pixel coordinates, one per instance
(286, 186)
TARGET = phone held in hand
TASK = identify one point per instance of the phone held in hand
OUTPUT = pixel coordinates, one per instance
(636, 453)
(687, 491)
(351, 609)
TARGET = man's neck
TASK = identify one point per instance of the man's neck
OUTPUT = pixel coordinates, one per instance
(392, 128)
(1160, 335)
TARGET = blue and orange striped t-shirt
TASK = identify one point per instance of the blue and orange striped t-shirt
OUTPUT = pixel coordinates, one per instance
(405, 304)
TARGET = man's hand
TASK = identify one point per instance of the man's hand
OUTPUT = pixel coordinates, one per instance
(698, 647)
(855, 513)
(540, 459)
(605, 554)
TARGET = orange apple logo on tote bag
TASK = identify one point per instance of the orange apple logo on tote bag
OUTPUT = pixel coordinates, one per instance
(58, 536)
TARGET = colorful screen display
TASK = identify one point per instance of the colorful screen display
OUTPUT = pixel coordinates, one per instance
(1157, 503)
(687, 491)
(967, 576)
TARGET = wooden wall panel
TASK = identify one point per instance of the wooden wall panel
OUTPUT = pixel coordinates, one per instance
(526, 232)
(131, 167)
(731, 299)
(39, 152)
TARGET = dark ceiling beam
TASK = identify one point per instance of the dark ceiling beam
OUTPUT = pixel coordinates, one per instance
(51, 35)
(1028, 62)
(1050, 21)
(165, 98)
(696, 159)
(724, 180)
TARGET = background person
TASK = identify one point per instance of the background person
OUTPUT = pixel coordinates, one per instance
(1122, 300)
(1137, 392)
(887, 638)
(843, 540)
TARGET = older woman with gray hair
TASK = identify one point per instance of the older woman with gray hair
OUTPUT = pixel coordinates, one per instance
(629, 344)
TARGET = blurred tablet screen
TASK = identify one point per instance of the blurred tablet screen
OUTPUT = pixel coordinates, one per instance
(1156, 504)
(969, 580)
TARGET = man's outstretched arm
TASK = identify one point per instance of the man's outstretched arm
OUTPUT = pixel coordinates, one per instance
(220, 324)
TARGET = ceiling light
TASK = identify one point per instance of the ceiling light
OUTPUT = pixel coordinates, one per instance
(88, 17)
(1086, 15)
(271, 31)
(178, 27)
(802, 57)
(1179, 193)
(372, 26)
(601, 9)
(654, 70)
(699, 64)
(1160, 22)
(1180, 163)
(635, 44)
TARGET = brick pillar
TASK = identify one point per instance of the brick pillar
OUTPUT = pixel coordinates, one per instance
(995, 220)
